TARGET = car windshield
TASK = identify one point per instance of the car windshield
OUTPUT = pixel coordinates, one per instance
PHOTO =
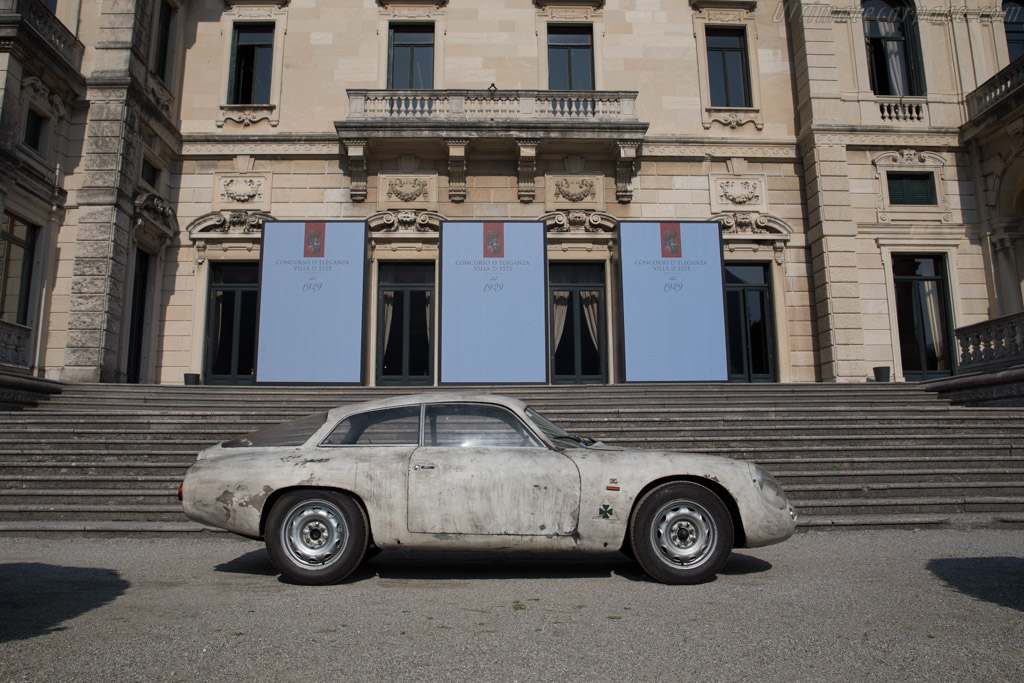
(294, 433)
(558, 436)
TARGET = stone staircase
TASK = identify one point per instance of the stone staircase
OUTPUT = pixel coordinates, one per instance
(110, 457)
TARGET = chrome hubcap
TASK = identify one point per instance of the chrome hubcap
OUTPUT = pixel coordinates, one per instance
(314, 534)
(684, 534)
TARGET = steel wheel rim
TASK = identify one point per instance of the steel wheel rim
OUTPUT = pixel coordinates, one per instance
(684, 533)
(314, 534)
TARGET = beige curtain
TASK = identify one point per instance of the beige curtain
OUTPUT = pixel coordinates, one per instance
(933, 321)
(561, 309)
(389, 310)
(426, 299)
(590, 301)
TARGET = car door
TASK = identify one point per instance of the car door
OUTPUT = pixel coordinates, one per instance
(480, 470)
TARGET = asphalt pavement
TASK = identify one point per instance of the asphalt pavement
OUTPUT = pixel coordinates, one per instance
(823, 606)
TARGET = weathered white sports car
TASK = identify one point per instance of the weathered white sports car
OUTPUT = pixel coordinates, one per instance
(446, 471)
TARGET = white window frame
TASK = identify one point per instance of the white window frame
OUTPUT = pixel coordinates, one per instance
(911, 161)
(570, 15)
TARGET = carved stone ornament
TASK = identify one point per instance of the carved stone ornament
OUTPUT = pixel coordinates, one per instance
(155, 214)
(739, 191)
(575, 192)
(397, 192)
(733, 118)
(579, 221)
(246, 114)
(407, 189)
(237, 221)
(751, 231)
(405, 221)
(248, 191)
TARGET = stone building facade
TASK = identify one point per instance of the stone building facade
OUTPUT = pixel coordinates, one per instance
(867, 207)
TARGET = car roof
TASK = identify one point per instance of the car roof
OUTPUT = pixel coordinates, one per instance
(428, 397)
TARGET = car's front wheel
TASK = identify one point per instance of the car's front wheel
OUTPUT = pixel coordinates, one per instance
(681, 533)
(316, 537)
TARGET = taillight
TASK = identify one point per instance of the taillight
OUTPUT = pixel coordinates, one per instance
(180, 487)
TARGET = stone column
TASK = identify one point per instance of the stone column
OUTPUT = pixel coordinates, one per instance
(105, 212)
(1007, 252)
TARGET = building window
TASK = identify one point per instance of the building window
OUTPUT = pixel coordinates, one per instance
(252, 56)
(911, 189)
(51, 5)
(150, 174)
(922, 316)
(570, 57)
(411, 56)
(728, 70)
(894, 60)
(163, 51)
(1013, 20)
(37, 128)
(17, 251)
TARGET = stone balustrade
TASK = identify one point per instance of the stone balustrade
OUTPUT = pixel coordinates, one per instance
(42, 21)
(14, 344)
(992, 345)
(902, 111)
(996, 89)
(483, 105)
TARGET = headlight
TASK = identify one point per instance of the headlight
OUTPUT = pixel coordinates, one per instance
(770, 489)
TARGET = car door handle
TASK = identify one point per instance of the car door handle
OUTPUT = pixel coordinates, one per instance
(423, 467)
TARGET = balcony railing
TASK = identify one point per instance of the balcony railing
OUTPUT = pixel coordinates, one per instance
(482, 105)
(996, 89)
(903, 110)
(14, 344)
(992, 345)
(36, 15)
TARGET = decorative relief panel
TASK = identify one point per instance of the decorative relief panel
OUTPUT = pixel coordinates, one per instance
(407, 191)
(242, 191)
(738, 193)
(574, 191)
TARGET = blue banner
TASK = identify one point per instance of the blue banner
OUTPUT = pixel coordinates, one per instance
(311, 302)
(493, 303)
(673, 302)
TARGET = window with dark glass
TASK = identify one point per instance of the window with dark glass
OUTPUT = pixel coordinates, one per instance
(570, 57)
(163, 48)
(728, 70)
(17, 251)
(51, 5)
(36, 128)
(1013, 22)
(252, 55)
(913, 189)
(411, 57)
(150, 174)
(894, 55)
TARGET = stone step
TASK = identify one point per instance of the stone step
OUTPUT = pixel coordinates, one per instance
(77, 496)
(904, 505)
(906, 489)
(149, 512)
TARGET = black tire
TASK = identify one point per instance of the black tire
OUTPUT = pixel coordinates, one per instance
(316, 537)
(681, 533)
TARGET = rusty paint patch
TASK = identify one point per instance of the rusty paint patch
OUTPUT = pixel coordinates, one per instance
(226, 500)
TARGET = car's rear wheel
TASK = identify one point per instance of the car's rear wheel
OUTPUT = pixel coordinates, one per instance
(316, 537)
(681, 533)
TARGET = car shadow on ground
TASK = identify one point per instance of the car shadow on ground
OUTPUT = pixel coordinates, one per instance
(443, 566)
(38, 598)
(999, 580)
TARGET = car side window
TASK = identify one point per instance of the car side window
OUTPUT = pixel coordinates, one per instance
(388, 427)
(472, 424)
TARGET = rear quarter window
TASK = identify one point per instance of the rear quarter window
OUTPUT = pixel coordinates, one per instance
(294, 433)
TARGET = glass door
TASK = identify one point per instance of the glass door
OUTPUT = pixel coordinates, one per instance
(405, 322)
(231, 323)
(922, 316)
(750, 325)
(577, 324)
